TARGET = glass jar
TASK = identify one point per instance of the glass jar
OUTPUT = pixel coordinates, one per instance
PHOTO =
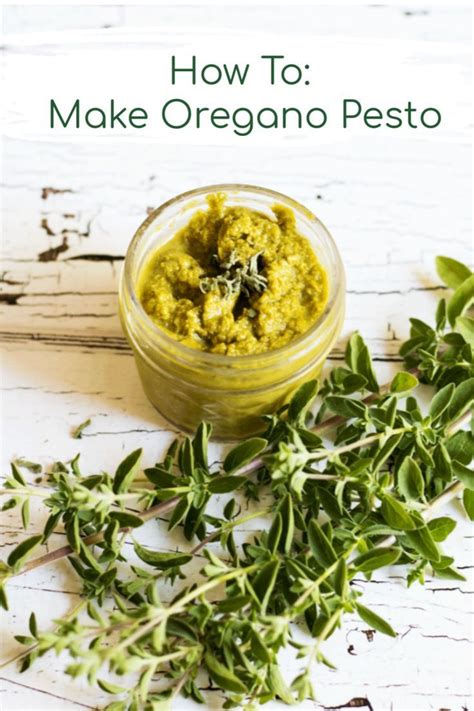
(188, 386)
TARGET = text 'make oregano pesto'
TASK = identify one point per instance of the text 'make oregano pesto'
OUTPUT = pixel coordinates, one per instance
(383, 470)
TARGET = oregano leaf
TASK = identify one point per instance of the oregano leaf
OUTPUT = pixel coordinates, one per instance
(126, 472)
(302, 400)
(423, 542)
(468, 502)
(243, 453)
(395, 514)
(375, 621)
(223, 676)
(161, 560)
(22, 551)
(441, 527)
(403, 382)
(460, 300)
(321, 547)
(452, 272)
(224, 484)
(410, 480)
(376, 558)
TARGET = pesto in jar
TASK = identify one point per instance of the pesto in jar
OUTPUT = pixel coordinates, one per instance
(235, 281)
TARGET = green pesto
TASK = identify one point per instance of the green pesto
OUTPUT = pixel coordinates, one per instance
(235, 281)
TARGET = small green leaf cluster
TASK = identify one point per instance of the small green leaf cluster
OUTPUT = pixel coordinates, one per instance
(186, 473)
(443, 353)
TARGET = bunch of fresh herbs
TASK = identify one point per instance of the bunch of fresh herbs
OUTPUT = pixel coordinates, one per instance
(360, 499)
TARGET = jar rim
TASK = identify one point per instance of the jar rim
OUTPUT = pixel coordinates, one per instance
(295, 347)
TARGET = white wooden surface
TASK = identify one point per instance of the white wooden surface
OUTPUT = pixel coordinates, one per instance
(69, 210)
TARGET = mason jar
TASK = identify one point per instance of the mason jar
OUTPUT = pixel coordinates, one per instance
(188, 386)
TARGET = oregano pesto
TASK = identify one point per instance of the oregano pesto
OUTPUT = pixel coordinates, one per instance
(235, 280)
(381, 473)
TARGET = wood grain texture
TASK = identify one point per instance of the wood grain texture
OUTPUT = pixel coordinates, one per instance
(68, 214)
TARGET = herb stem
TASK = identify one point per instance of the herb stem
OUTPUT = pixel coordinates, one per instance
(329, 453)
(330, 624)
(180, 604)
(226, 527)
(329, 570)
(75, 610)
(159, 509)
(25, 491)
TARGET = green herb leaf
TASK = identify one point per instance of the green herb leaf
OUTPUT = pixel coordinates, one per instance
(31, 466)
(442, 462)
(395, 514)
(464, 474)
(3, 598)
(22, 551)
(302, 400)
(403, 382)
(50, 525)
(264, 582)
(232, 604)
(465, 326)
(224, 484)
(243, 453)
(462, 399)
(125, 519)
(421, 328)
(229, 509)
(285, 509)
(186, 458)
(180, 511)
(259, 648)
(341, 579)
(448, 573)
(200, 444)
(223, 676)
(423, 542)
(410, 480)
(376, 558)
(278, 686)
(126, 472)
(110, 688)
(17, 475)
(320, 545)
(160, 477)
(441, 527)
(33, 627)
(25, 513)
(386, 450)
(160, 560)
(461, 447)
(77, 433)
(372, 619)
(274, 533)
(346, 407)
(452, 272)
(441, 401)
(468, 501)
(73, 534)
(359, 361)
(460, 300)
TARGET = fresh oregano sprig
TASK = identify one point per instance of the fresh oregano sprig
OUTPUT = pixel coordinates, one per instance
(388, 468)
(235, 277)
